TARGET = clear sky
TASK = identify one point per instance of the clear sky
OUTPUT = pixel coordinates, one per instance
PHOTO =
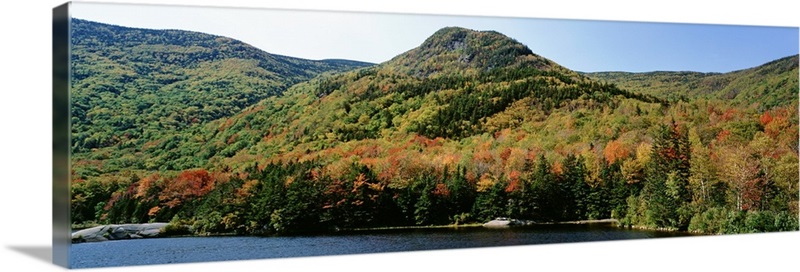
(587, 46)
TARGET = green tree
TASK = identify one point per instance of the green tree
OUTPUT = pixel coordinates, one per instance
(667, 177)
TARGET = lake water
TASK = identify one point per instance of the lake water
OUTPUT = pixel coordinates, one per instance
(203, 249)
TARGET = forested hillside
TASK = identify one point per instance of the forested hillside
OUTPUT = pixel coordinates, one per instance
(131, 85)
(466, 127)
(766, 86)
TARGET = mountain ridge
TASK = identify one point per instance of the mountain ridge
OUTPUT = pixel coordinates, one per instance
(129, 83)
(749, 82)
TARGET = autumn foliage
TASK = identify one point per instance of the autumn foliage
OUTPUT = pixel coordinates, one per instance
(188, 185)
(614, 151)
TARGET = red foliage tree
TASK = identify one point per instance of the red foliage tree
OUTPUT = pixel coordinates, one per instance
(614, 151)
(514, 182)
(187, 185)
(765, 119)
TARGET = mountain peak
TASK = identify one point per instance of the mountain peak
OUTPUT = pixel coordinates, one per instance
(462, 50)
(451, 38)
(454, 38)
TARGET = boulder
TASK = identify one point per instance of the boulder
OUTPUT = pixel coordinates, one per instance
(118, 232)
(502, 222)
(498, 223)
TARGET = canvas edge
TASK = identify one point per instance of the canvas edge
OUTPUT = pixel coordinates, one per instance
(61, 113)
(61, 128)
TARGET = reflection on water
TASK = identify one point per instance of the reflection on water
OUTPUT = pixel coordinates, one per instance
(202, 249)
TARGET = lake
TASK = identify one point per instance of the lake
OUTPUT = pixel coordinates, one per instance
(203, 249)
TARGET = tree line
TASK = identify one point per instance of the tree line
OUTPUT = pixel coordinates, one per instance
(306, 197)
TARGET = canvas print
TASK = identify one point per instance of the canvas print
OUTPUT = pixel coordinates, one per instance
(213, 134)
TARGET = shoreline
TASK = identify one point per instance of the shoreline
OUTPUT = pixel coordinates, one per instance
(580, 222)
(109, 232)
(451, 226)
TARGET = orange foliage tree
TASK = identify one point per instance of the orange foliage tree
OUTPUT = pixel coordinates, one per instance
(187, 185)
(615, 151)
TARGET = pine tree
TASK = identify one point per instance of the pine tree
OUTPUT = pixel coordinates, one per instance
(667, 178)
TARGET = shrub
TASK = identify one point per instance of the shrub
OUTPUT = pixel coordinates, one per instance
(176, 227)
(785, 221)
(760, 221)
(713, 221)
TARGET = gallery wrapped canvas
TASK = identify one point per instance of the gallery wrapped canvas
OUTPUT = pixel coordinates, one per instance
(191, 134)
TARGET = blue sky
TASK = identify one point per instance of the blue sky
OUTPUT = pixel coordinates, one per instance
(587, 46)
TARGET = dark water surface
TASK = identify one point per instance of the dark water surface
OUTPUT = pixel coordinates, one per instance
(203, 249)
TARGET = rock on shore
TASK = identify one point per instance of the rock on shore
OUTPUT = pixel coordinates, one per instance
(118, 232)
(502, 222)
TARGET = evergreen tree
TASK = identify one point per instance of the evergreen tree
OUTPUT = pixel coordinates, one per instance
(667, 178)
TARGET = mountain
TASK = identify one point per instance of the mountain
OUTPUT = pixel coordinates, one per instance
(455, 50)
(771, 84)
(130, 84)
(459, 84)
